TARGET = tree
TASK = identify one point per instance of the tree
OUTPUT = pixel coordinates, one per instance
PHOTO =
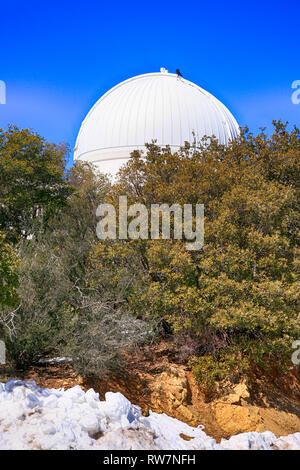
(32, 180)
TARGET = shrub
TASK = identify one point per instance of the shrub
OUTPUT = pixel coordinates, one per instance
(8, 274)
(243, 285)
(98, 337)
(229, 364)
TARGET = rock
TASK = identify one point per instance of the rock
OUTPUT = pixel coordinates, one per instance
(235, 419)
(240, 392)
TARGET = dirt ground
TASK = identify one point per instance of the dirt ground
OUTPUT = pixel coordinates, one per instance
(154, 381)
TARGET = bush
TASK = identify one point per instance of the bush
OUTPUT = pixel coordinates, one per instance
(43, 290)
(229, 364)
(8, 274)
(236, 299)
(99, 337)
(44, 283)
(61, 310)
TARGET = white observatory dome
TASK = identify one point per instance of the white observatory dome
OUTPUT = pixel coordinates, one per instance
(160, 106)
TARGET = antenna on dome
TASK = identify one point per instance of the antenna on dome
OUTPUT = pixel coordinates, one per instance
(179, 74)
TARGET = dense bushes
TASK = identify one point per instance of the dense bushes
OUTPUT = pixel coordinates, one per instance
(235, 301)
(242, 288)
(48, 303)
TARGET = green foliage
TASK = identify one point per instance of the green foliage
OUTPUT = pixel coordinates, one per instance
(51, 272)
(43, 290)
(29, 342)
(8, 274)
(242, 288)
(32, 180)
(229, 364)
(61, 311)
(236, 301)
(100, 336)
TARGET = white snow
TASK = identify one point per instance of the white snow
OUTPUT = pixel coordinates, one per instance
(36, 418)
(55, 360)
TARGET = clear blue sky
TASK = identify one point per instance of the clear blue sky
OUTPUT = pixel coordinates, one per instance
(58, 58)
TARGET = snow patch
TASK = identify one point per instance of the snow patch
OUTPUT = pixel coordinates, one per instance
(37, 418)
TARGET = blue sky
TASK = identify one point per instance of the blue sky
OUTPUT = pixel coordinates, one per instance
(58, 58)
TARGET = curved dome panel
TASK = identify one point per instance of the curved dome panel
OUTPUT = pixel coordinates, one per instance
(158, 106)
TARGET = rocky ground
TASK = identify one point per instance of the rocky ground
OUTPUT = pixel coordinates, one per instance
(155, 380)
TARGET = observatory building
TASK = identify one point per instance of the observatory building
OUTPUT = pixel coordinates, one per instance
(161, 106)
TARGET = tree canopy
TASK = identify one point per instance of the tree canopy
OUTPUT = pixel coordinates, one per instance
(229, 306)
(239, 295)
(32, 180)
